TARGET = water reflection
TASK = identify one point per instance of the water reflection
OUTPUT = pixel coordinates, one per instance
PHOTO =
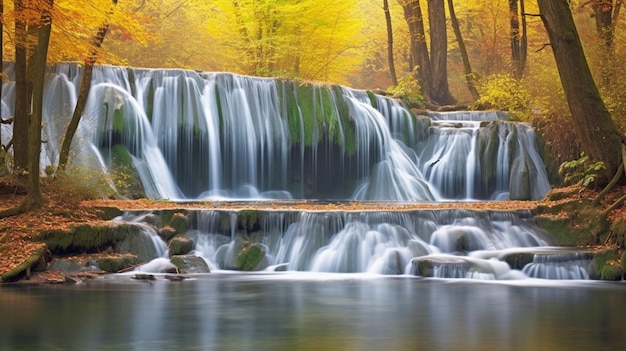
(312, 312)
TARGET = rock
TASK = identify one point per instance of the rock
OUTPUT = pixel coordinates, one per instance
(179, 222)
(167, 232)
(180, 246)
(518, 260)
(116, 264)
(190, 264)
(251, 258)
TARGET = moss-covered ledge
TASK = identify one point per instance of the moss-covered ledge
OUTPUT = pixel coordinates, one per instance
(29, 257)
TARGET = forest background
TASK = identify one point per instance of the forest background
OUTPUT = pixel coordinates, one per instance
(482, 53)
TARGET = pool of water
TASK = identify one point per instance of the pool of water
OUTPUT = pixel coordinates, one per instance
(306, 311)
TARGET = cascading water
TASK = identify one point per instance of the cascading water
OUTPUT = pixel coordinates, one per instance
(200, 136)
(490, 245)
(196, 136)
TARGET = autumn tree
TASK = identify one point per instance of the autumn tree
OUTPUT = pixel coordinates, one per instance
(519, 40)
(419, 48)
(599, 137)
(85, 87)
(470, 76)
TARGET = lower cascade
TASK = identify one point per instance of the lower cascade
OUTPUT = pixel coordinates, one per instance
(486, 245)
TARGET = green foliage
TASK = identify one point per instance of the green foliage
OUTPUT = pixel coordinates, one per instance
(408, 90)
(581, 171)
(503, 92)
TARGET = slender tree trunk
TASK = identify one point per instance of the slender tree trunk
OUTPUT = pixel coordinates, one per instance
(524, 39)
(83, 95)
(515, 38)
(599, 137)
(605, 14)
(440, 93)
(392, 66)
(419, 49)
(469, 75)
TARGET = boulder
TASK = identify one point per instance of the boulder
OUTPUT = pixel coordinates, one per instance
(190, 264)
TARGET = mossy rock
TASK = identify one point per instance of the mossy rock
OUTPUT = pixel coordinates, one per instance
(518, 260)
(249, 220)
(167, 232)
(180, 222)
(605, 265)
(116, 264)
(180, 246)
(30, 258)
(580, 227)
(250, 258)
(190, 264)
(58, 240)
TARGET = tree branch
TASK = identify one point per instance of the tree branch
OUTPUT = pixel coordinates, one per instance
(543, 47)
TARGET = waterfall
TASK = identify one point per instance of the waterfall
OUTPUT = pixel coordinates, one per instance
(199, 135)
(430, 243)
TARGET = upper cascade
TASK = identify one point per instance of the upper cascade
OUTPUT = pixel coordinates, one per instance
(205, 135)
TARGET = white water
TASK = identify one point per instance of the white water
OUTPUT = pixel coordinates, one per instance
(196, 136)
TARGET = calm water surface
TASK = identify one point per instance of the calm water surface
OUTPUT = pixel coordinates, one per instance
(223, 311)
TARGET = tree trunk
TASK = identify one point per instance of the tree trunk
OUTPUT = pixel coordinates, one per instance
(392, 66)
(516, 49)
(419, 49)
(83, 95)
(605, 14)
(36, 72)
(469, 75)
(599, 137)
(440, 93)
(22, 95)
(524, 39)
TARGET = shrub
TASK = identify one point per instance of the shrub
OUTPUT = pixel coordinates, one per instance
(408, 90)
(581, 171)
(503, 92)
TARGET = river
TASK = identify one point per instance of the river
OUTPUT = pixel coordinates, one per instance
(313, 311)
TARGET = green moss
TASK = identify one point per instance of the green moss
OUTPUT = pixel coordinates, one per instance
(118, 121)
(58, 240)
(121, 156)
(250, 257)
(180, 246)
(605, 265)
(249, 220)
(583, 225)
(373, 100)
(117, 264)
(180, 222)
(83, 238)
(488, 142)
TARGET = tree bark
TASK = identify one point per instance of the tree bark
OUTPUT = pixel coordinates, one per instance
(516, 49)
(470, 77)
(392, 66)
(36, 72)
(599, 137)
(22, 95)
(440, 93)
(419, 49)
(83, 95)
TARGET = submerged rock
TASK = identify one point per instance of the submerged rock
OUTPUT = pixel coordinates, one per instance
(190, 264)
